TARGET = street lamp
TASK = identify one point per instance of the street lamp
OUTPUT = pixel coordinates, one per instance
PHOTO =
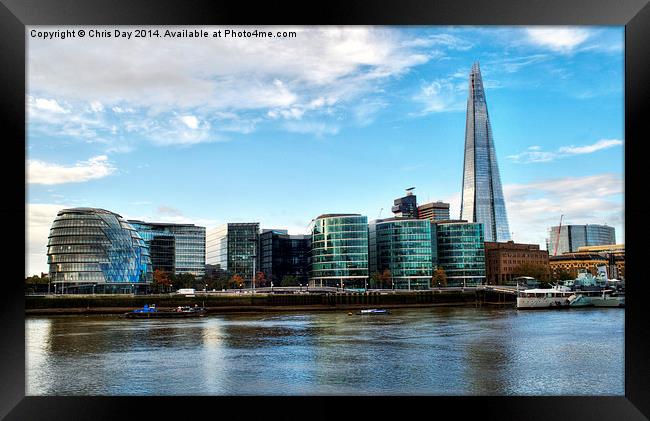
(271, 286)
(132, 289)
(94, 285)
(206, 288)
(254, 257)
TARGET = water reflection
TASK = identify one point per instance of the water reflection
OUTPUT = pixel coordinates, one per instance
(429, 351)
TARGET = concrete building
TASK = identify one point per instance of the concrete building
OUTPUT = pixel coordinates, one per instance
(503, 261)
(434, 211)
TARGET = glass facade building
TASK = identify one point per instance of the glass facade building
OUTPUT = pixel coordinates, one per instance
(406, 207)
(461, 252)
(571, 237)
(405, 248)
(339, 251)
(482, 195)
(232, 247)
(284, 255)
(174, 248)
(95, 250)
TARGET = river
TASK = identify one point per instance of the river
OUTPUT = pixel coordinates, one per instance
(424, 351)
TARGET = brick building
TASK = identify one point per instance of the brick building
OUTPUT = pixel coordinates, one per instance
(503, 261)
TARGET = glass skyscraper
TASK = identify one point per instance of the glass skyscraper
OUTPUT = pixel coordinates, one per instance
(283, 255)
(95, 250)
(339, 251)
(174, 248)
(405, 248)
(482, 199)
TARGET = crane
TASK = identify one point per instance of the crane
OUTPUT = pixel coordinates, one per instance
(380, 210)
(557, 237)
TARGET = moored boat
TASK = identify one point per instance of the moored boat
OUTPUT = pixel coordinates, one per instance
(608, 298)
(374, 311)
(151, 312)
(556, 297)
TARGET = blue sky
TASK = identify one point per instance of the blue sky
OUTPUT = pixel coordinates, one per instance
(337, 119)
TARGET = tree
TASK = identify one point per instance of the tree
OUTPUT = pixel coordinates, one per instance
(373, 281)
(534, 270)
(563, 274)
(184, 280)
(439, 278)
(237, 281)
(161, 281)
(386, 279)
(260, 279)
(289, 281)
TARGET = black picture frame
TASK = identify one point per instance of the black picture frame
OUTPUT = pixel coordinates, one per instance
(16, 14)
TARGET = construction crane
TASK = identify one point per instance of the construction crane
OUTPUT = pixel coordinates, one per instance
(557, 237)
(380, 210)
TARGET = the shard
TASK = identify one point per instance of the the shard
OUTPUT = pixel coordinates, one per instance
(482, 199)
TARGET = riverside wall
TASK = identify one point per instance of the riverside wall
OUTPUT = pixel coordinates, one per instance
(217, 303)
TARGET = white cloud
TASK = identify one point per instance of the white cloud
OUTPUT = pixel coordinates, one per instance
(39, 218)
(43, 104)
(96, 106)
(40, 172)
(324, 67)
(559, 39)
(441, 95)
(535, 154)
(601, 144)
(190, 121)
(536, 206)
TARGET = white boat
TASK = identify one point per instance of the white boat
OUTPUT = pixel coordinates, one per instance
(556, 297)
(608, 299)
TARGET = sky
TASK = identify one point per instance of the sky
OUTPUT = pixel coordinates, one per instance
(336, 119)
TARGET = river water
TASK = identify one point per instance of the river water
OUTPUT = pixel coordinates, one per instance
(424, 351)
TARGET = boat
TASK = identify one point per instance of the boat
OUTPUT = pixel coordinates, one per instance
(374, 311)
(555, 297)
(151, 312)
(580, 300)
(608, 298)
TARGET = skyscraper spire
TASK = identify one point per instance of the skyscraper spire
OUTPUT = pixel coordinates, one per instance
(482, 197)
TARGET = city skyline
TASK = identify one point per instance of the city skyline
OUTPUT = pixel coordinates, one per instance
(364, 113)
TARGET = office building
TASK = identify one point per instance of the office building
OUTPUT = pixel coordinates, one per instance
(434, 211)
(406, 207)
(505, 261)
(94, 250)
(233, 247)
(461, 252)
(404, 247)
(284, 255)
(482, 195)
(572, 237)
(339, 251)
(174, 248)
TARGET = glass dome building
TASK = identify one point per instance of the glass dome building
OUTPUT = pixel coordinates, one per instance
(94, 250)
(339, 251)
